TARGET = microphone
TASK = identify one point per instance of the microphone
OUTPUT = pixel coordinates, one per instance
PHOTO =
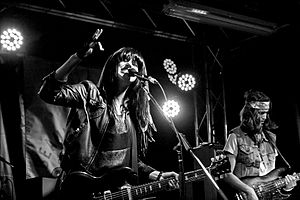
(134, 73)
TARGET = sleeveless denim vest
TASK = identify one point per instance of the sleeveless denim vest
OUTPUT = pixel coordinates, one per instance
(253, 159)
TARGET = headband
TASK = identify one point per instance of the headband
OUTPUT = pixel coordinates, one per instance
(263, 105)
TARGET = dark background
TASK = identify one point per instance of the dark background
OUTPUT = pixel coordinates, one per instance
(236, 59)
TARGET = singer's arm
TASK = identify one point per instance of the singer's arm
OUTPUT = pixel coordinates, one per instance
(63, 71)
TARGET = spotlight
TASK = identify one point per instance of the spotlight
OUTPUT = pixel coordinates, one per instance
(170, 66)
(171, 108)
(186, 82)
(173, 78)
(11, 39)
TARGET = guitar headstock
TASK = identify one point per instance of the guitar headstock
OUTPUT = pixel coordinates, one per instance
(219, 166)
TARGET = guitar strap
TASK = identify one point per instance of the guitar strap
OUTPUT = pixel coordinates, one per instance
(274, 145)
(134, 152)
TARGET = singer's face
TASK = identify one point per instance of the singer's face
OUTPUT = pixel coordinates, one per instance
(123, 73)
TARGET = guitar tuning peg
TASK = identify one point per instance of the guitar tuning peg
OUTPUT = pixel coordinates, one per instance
(221, 156)
(216, 158)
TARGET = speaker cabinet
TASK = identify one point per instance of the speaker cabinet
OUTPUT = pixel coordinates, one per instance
(40, 188)
(202, 189)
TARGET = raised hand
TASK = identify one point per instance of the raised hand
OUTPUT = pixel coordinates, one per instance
(89, 46)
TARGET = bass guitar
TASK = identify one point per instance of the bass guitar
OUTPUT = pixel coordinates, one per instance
(266, 187)
(116, 185)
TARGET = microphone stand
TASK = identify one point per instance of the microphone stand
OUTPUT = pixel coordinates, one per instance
(182, 142)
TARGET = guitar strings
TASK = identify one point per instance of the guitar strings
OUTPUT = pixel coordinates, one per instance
(275, 184)
(137, 191)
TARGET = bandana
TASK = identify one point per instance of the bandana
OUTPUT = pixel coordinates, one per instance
(262, 105)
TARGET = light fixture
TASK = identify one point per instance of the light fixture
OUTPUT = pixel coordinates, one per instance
(173, 78)
(171, 108)
(186, 82)
(170, 66)
(207, 15)
(11, 39)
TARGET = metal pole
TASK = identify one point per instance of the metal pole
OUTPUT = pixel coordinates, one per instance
(103, 22)
(223, 93)
(208, 110)
(224, 107)
(196, 119)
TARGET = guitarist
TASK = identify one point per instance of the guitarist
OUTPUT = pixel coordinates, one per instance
(251, 147)
(109, 124)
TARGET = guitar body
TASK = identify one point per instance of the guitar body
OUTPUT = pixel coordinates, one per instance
(265, 186)
(82, 185)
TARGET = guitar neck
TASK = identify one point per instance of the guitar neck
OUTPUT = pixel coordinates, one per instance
(157, 186)
(150, 188)
(136, 192)
(194, 176)
(280, 183)
(217, 168)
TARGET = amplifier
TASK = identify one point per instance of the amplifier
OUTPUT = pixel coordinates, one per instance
(40, 188)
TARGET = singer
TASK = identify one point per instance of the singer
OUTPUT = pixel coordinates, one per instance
(109, 126)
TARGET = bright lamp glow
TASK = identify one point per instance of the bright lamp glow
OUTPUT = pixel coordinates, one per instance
(170, 66)
(186, 82)
(11, 39)
(171, 108)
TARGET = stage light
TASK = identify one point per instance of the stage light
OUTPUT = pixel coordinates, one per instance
(170, 66)
(171, 108)
(11, 39)
(173, 78)
(186, 82)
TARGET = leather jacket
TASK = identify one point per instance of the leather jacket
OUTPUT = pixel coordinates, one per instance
(87, 122)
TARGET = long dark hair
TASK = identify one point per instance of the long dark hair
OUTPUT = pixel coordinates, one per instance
(138, 102)
(247, 114)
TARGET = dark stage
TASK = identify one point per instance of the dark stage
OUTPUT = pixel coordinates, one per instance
(241, 45)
